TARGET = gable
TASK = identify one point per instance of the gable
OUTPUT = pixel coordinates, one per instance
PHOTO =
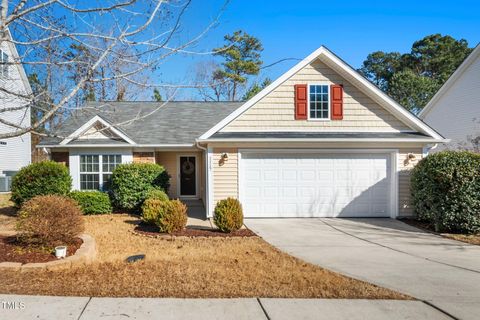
(276, 111)
(339, 68)
(454, 111)
(98, 131)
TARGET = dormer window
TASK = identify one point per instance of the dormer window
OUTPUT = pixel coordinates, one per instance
(319, 102)
(3, 64)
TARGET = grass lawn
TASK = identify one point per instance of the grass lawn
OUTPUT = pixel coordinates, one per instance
(185, 267)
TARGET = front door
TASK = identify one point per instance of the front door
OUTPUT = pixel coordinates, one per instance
(188, 181)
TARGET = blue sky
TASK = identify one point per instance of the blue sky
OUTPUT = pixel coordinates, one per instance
(351, 29)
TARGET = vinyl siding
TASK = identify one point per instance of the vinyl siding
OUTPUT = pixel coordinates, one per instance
(225, 177)
(275, 112)
(225, 174)
(404, 168)
(17, 151)
(456, 114)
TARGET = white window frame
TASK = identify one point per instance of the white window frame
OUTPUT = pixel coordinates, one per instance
(328, 103)
(4, 68)
(100, 171)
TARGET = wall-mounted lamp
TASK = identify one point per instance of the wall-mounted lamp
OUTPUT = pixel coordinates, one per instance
(410, 157)
(224, 156)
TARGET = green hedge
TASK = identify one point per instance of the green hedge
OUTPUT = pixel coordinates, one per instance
(446, 191)
(92, 202)
(41, 178)
(131, 182)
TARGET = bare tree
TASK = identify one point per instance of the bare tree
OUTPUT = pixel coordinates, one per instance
(81, 52)
(212, 85)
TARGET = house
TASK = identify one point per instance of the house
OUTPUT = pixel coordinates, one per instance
(454, 111)
(15, 152)
(320, 141)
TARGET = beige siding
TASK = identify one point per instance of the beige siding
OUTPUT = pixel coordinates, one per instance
(275, 112)
(225, 174)
(169, 161)
(404, 167)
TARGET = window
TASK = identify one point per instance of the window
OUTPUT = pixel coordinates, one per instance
(94, 176)
(4, 66)
(319, 102)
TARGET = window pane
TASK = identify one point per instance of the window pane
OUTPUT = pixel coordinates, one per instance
(89, 182)
(319, 101)
(106, 182)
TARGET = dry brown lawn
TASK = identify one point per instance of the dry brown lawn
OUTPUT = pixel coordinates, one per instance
(208, 267)
(468, 238)
(7, 214)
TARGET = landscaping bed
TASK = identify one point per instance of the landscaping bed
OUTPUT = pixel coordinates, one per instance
(198, 267)
(13, 251)
(153, 231)
(468, 238)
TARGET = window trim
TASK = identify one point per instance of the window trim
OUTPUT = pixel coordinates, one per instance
(4, 67)
(100, 172)
(328, 118)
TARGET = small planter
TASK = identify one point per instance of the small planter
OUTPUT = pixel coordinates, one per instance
(61, 252)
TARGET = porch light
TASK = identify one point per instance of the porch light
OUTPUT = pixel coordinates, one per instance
(224, 156)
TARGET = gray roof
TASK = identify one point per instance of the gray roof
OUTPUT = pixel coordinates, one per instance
(154, 122)
(318, 135)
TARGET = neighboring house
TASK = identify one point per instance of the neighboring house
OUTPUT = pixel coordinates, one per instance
(454, 110)
(320, 141)
(14, 152)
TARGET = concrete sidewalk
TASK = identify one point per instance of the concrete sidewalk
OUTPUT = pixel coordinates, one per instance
(64, 308)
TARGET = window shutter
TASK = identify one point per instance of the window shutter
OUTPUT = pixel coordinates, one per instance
(301, 102)
(336, 92)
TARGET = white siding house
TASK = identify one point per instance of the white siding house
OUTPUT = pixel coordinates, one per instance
(14, 152)
(454, 111)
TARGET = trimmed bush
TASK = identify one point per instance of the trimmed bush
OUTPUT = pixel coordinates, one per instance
(445, 189)
(92, 202)
(157, 194)
(49, 220)
(151, 209)
(169, 216)
(173, 218)
(131, 182)
(41, 178)
(228, 215)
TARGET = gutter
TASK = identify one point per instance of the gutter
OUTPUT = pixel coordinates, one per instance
(324, 140)
(166, 146)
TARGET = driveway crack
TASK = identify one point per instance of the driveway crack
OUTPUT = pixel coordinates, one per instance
(84, 307)
(397, 250)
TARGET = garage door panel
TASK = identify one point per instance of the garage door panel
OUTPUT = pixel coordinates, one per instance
(315, 185)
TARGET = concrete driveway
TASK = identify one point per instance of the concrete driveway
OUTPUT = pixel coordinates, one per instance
(386, 252)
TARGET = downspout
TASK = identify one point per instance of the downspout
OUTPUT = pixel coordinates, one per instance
(206, 168)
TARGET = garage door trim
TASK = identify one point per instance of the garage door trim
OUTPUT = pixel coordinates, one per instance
(393, 167)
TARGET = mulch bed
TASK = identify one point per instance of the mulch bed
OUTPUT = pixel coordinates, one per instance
(418, 224)
(11, 250)
(153, 231)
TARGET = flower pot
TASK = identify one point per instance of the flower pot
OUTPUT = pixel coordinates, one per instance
(61, 252)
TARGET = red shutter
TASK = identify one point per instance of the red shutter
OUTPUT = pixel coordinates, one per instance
(301, 102)
(336, 92)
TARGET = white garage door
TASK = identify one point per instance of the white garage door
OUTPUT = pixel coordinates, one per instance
(315, 185)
